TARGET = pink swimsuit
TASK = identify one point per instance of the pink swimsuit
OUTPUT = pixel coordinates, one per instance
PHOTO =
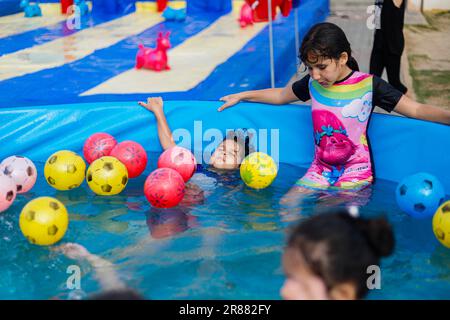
(340, 116)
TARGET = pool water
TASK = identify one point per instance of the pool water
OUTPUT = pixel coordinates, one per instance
(228, 247)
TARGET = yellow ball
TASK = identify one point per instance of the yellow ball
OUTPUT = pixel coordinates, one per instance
(441, 224)
(107, 176)
(65, 170)
(258, 170)
(44, 221)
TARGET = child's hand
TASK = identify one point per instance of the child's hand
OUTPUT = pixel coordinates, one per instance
(229, 100)
(73, 251)
(154, 105)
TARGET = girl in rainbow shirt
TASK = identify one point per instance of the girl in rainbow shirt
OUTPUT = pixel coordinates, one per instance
(342, 100)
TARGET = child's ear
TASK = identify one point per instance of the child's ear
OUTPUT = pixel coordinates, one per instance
(343, 59)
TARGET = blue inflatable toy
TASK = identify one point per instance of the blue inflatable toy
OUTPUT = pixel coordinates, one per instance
(31, 10)
(419, 195)
(82, 6)
(171, 14)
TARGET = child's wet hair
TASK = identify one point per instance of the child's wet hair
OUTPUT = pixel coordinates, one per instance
(118, 294)
(326, 40)
(339, 248)
(243, 137)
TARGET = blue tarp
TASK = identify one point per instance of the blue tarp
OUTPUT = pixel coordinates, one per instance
(8, 7)
(400, 146)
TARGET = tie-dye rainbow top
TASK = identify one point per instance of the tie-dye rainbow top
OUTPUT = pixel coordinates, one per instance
(340, 115)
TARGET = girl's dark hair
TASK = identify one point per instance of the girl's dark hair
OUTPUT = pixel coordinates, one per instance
(118, 294)
(339, 248)
(243, 138)
(326, 40)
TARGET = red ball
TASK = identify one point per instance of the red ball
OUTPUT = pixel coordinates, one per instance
(179, 159)
(164, 188)
(98, 145)
(132, 155)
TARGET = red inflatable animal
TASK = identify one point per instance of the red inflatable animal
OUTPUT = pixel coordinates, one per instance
(261, 13)
(246, 16)
(161, 5)
(154, 59)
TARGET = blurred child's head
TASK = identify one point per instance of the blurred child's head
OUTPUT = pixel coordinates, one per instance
(231, 151)
(117, 294)
(327, 54)
(327, 256)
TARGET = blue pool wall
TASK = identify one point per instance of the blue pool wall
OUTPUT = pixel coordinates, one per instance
(400, 146)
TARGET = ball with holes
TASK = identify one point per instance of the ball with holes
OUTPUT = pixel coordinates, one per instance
(98, 145)
(107, 176)
(22, 170)
(44, 221)
(441, 224)
(65, 170)
(7, 192)
(419, 195)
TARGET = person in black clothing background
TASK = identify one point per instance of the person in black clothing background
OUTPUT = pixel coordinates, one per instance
(389, 41)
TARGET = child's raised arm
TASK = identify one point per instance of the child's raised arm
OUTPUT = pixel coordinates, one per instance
(155, 105)
(413, 109)
(271, 96)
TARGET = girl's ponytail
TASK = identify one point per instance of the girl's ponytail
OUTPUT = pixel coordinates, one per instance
(352, 64)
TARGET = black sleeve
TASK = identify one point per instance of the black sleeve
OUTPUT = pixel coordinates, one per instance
(385, 95)
(301, 88)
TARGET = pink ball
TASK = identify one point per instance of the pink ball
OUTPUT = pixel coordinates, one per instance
(132, 155)
(22, 171)
(98, 145)
(179, 159)
(164, 188)
(7, 192)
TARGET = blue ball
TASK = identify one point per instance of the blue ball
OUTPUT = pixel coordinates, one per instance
(419, 195)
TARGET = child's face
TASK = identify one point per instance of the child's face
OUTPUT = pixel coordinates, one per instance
(228, 155)
(301, 283)
(327, 71)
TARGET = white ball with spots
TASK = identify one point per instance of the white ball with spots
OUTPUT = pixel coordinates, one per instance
(22, 170)
(7, 192)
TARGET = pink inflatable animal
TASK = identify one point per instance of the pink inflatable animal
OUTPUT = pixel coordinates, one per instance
(154, 59)
(246, 16)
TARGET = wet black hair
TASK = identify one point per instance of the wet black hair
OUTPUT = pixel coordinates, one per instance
(236, 139)
(119, 294)
(326, 40)
(339, 248)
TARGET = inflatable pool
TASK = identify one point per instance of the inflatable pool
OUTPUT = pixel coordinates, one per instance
(62, 85)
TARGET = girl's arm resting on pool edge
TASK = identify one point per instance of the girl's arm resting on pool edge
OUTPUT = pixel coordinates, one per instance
(155, 105)
(413, 109)
(271, 96)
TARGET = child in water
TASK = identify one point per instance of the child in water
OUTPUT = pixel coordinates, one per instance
(227, 156)
(342, 101)
(328, 256)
